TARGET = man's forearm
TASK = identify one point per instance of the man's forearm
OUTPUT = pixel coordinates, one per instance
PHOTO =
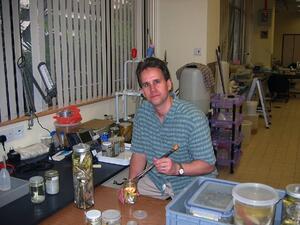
(137, 164)
(196, 168)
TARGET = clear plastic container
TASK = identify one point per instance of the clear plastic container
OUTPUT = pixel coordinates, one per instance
(63, 129)
(251, 107)
(254, 119)
(254, 203)
(5, 183)
(213, 201)
(126, 131)
(246, 131)
(111, 217)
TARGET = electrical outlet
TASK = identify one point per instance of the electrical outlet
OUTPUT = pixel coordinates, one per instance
(13, 133)
(19, 132)
(197, 51)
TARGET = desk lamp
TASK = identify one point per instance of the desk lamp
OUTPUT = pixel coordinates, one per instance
(28, 80)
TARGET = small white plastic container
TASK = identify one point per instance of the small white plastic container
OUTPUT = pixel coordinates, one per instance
(246, 131)
(254, 119)
(251, 107)
(254, 203)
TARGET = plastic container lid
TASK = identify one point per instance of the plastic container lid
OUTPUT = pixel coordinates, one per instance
(255, 194)
(93, 214)
(293, 190)
(140, 214)
(111, 215)
(212, 200)
(132, 222)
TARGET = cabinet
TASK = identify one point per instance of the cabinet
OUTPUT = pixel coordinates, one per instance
(225, 123)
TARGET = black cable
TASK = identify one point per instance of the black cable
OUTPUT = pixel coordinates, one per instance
(2, 140)
(37, 119)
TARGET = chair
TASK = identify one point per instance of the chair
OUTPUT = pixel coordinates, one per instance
(279, 87)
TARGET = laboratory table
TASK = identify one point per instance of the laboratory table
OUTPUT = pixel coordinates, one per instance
(22, 211)
(107, 198)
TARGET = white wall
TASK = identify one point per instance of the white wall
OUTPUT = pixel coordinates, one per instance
(183, 26)
(262, 49)
(213, 29)
(285, 23)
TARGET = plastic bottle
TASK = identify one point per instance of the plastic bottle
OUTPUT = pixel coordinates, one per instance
(5, 183)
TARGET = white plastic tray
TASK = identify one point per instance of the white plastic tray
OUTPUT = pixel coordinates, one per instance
(122, 159)
(19, 188)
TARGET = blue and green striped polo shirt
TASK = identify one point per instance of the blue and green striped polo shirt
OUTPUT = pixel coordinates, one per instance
(185, 125)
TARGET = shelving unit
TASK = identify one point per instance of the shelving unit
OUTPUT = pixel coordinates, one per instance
(225, 123)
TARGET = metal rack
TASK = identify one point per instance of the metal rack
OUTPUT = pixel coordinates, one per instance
(126, 92)
(225, 126)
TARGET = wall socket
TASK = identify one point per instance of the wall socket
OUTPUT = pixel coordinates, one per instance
(197, 51)
(13, 133)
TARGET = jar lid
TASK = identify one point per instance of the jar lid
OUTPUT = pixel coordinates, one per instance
(51, 173)
(81, 148)
(114, 128)
(293, 190)
(93, 214)
(106, 143)
(111, 214)
(36, 179)
(125, 124)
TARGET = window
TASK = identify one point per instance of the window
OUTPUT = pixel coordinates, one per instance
(83, 42)
(233, 29)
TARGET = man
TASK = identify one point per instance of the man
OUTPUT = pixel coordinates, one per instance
(161, 122)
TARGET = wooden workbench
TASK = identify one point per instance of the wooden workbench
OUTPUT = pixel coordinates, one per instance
(107, 198)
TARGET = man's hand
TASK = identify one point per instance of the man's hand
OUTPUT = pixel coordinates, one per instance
(121, 195)
(166, 166)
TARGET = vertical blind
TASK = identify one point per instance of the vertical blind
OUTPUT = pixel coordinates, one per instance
(233, 29)
(11, 90)
(83, 42)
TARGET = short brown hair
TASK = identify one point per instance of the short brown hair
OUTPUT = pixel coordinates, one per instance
(152, 62)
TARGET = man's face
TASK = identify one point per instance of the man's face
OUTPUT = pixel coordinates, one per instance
(154, 86)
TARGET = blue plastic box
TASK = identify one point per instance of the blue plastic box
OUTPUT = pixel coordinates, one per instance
(176, 210)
